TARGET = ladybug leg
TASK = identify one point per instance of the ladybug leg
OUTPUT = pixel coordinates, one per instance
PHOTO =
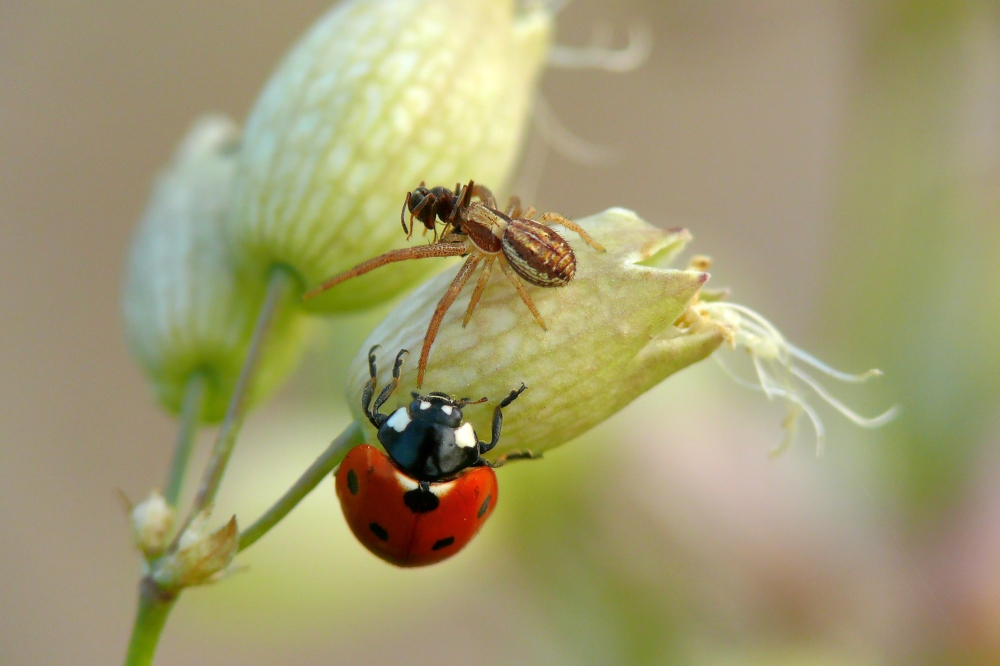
(390, 388)
(366, 396)
(516, 455)
(498, 419)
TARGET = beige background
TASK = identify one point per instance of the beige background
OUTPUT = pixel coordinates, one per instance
(740, 126)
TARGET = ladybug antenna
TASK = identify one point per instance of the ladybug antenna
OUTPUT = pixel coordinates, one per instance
(469, 401)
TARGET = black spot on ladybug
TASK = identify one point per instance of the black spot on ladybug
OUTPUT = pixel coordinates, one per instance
(352, 482)
(420, 500)
(443, 543)
(483, 508)
(378, 531)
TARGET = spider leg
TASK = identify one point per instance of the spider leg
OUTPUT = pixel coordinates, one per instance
(522, 292)
(514, 206)
(529, 213)
(392, 256)
(480, 286)
(484, 194)
(572, 226)
(498, 419)
(390, 388)
(439, 312)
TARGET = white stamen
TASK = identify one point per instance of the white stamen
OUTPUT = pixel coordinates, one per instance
(874, 422)
(773, 360)
(562, 140)
(808, 358)
(399, 420)
(789, 424)
(599, 56)
(465, 437)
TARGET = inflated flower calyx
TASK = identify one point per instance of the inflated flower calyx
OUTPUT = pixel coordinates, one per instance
(378, 96)
(185, 313)
(613, 333)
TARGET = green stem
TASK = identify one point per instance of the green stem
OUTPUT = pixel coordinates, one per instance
(323, 465)
(278, 285)
(194, 398)
(151, 616)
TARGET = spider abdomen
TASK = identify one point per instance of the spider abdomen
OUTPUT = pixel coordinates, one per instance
(538, 254)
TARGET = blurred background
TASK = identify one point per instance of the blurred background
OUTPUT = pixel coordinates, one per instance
(838, 160)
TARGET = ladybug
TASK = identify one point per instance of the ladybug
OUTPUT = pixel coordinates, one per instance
(428, 497)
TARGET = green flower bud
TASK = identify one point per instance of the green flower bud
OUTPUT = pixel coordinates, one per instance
(152, 523)
(185, 313)
(200, 557)
(378, 96)
(613, 333)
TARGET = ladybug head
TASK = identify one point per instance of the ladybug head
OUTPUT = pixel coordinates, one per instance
(439, 408)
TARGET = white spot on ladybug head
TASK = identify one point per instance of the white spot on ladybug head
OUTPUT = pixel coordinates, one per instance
(447, 409)
(424, 405)
(465, 436)
(399, 420)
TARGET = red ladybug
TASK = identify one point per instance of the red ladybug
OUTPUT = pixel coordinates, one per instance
(424, 501)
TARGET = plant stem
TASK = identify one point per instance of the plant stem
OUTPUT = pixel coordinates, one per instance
(323, 465)
(150, 617)
(279, 282)
(190, 416)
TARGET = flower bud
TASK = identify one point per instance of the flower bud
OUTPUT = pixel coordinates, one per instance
(185, 312)
(612, 335)
(152, 522)
(621, 326)
(379, 96)
(200, 557)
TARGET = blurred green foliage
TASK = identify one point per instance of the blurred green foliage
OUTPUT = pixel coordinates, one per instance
(914, 275)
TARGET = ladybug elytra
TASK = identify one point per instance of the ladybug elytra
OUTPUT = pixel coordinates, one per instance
(429, 496)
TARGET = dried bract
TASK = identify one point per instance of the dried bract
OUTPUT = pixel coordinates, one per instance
(200, 557)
